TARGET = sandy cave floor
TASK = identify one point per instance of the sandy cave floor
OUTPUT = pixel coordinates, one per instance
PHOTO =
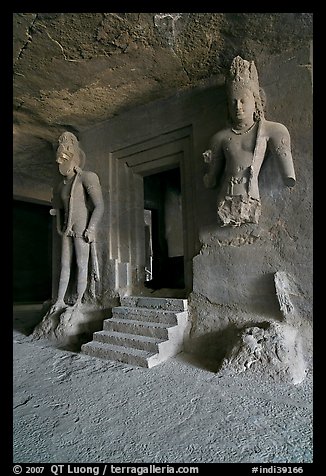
(72, 408)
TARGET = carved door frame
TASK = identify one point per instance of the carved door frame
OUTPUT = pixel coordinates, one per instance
(128, 166)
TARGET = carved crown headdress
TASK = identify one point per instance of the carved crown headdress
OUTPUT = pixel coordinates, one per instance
(68, 143)
(243, 73)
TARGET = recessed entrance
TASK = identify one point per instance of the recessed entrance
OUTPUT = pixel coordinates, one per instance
(32, 245)
(153, 239)
(164, 242)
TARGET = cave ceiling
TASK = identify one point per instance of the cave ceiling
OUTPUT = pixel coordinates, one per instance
(74, 70)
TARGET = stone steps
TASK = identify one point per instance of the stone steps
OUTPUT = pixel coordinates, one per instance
(150, 329)
(143, 331)
(147, 315)
(120, 353)
(168, 304)
(149, 344)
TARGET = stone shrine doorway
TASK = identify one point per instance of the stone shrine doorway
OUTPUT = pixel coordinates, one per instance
(164, 250)
(153, 237)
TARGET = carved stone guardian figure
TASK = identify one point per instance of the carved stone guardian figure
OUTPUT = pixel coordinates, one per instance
(78, 207)
(239, 150)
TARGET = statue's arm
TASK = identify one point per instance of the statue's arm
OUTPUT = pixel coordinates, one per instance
(279, 144)
(214, 158)
(92, 184)
(56, 197)
(57, 206)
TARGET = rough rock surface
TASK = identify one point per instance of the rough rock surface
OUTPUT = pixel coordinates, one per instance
(71, 408)
(72, 70)
(70, 327)
(274, 350)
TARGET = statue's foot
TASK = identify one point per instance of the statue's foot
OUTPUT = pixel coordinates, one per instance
(57, 306)
(77, 304)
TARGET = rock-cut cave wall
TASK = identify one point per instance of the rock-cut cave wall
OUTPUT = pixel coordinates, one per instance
(233, 269)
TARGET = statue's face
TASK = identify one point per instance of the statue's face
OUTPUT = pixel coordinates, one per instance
(66, 163)
(242, 105)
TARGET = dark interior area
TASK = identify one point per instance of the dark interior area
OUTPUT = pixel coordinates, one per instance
(32, 250)
(163, 232)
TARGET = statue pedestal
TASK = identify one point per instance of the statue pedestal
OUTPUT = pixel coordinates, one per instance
(71, 325)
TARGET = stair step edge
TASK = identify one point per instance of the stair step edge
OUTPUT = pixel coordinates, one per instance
(125, 335)
(118, 348)
(159, 325)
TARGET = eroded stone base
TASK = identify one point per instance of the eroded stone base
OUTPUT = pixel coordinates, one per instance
(70, 325)
(275, 350)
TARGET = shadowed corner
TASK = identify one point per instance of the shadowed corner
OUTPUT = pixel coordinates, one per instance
(211, 348)
(27, 316)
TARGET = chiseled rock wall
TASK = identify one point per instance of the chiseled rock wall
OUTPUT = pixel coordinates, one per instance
(234, 271)
(234, 268)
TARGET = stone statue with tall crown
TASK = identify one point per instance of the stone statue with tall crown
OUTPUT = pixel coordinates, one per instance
(239, 150)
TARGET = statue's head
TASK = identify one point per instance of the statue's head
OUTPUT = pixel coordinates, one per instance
(69, 156)
(242, 82)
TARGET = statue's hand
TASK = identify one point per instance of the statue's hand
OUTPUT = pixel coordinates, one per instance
(89, 235)
(207, 155)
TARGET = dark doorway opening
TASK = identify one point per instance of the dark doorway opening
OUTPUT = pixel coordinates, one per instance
(164, 256)
(32, 252)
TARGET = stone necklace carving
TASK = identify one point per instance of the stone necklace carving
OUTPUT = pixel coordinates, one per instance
(239, 132)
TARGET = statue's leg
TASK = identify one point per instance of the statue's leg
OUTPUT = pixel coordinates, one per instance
(82, 255)
(66, 261)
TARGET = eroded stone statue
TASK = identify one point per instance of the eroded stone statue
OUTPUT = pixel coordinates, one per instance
(78, 207)
(239, 150)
